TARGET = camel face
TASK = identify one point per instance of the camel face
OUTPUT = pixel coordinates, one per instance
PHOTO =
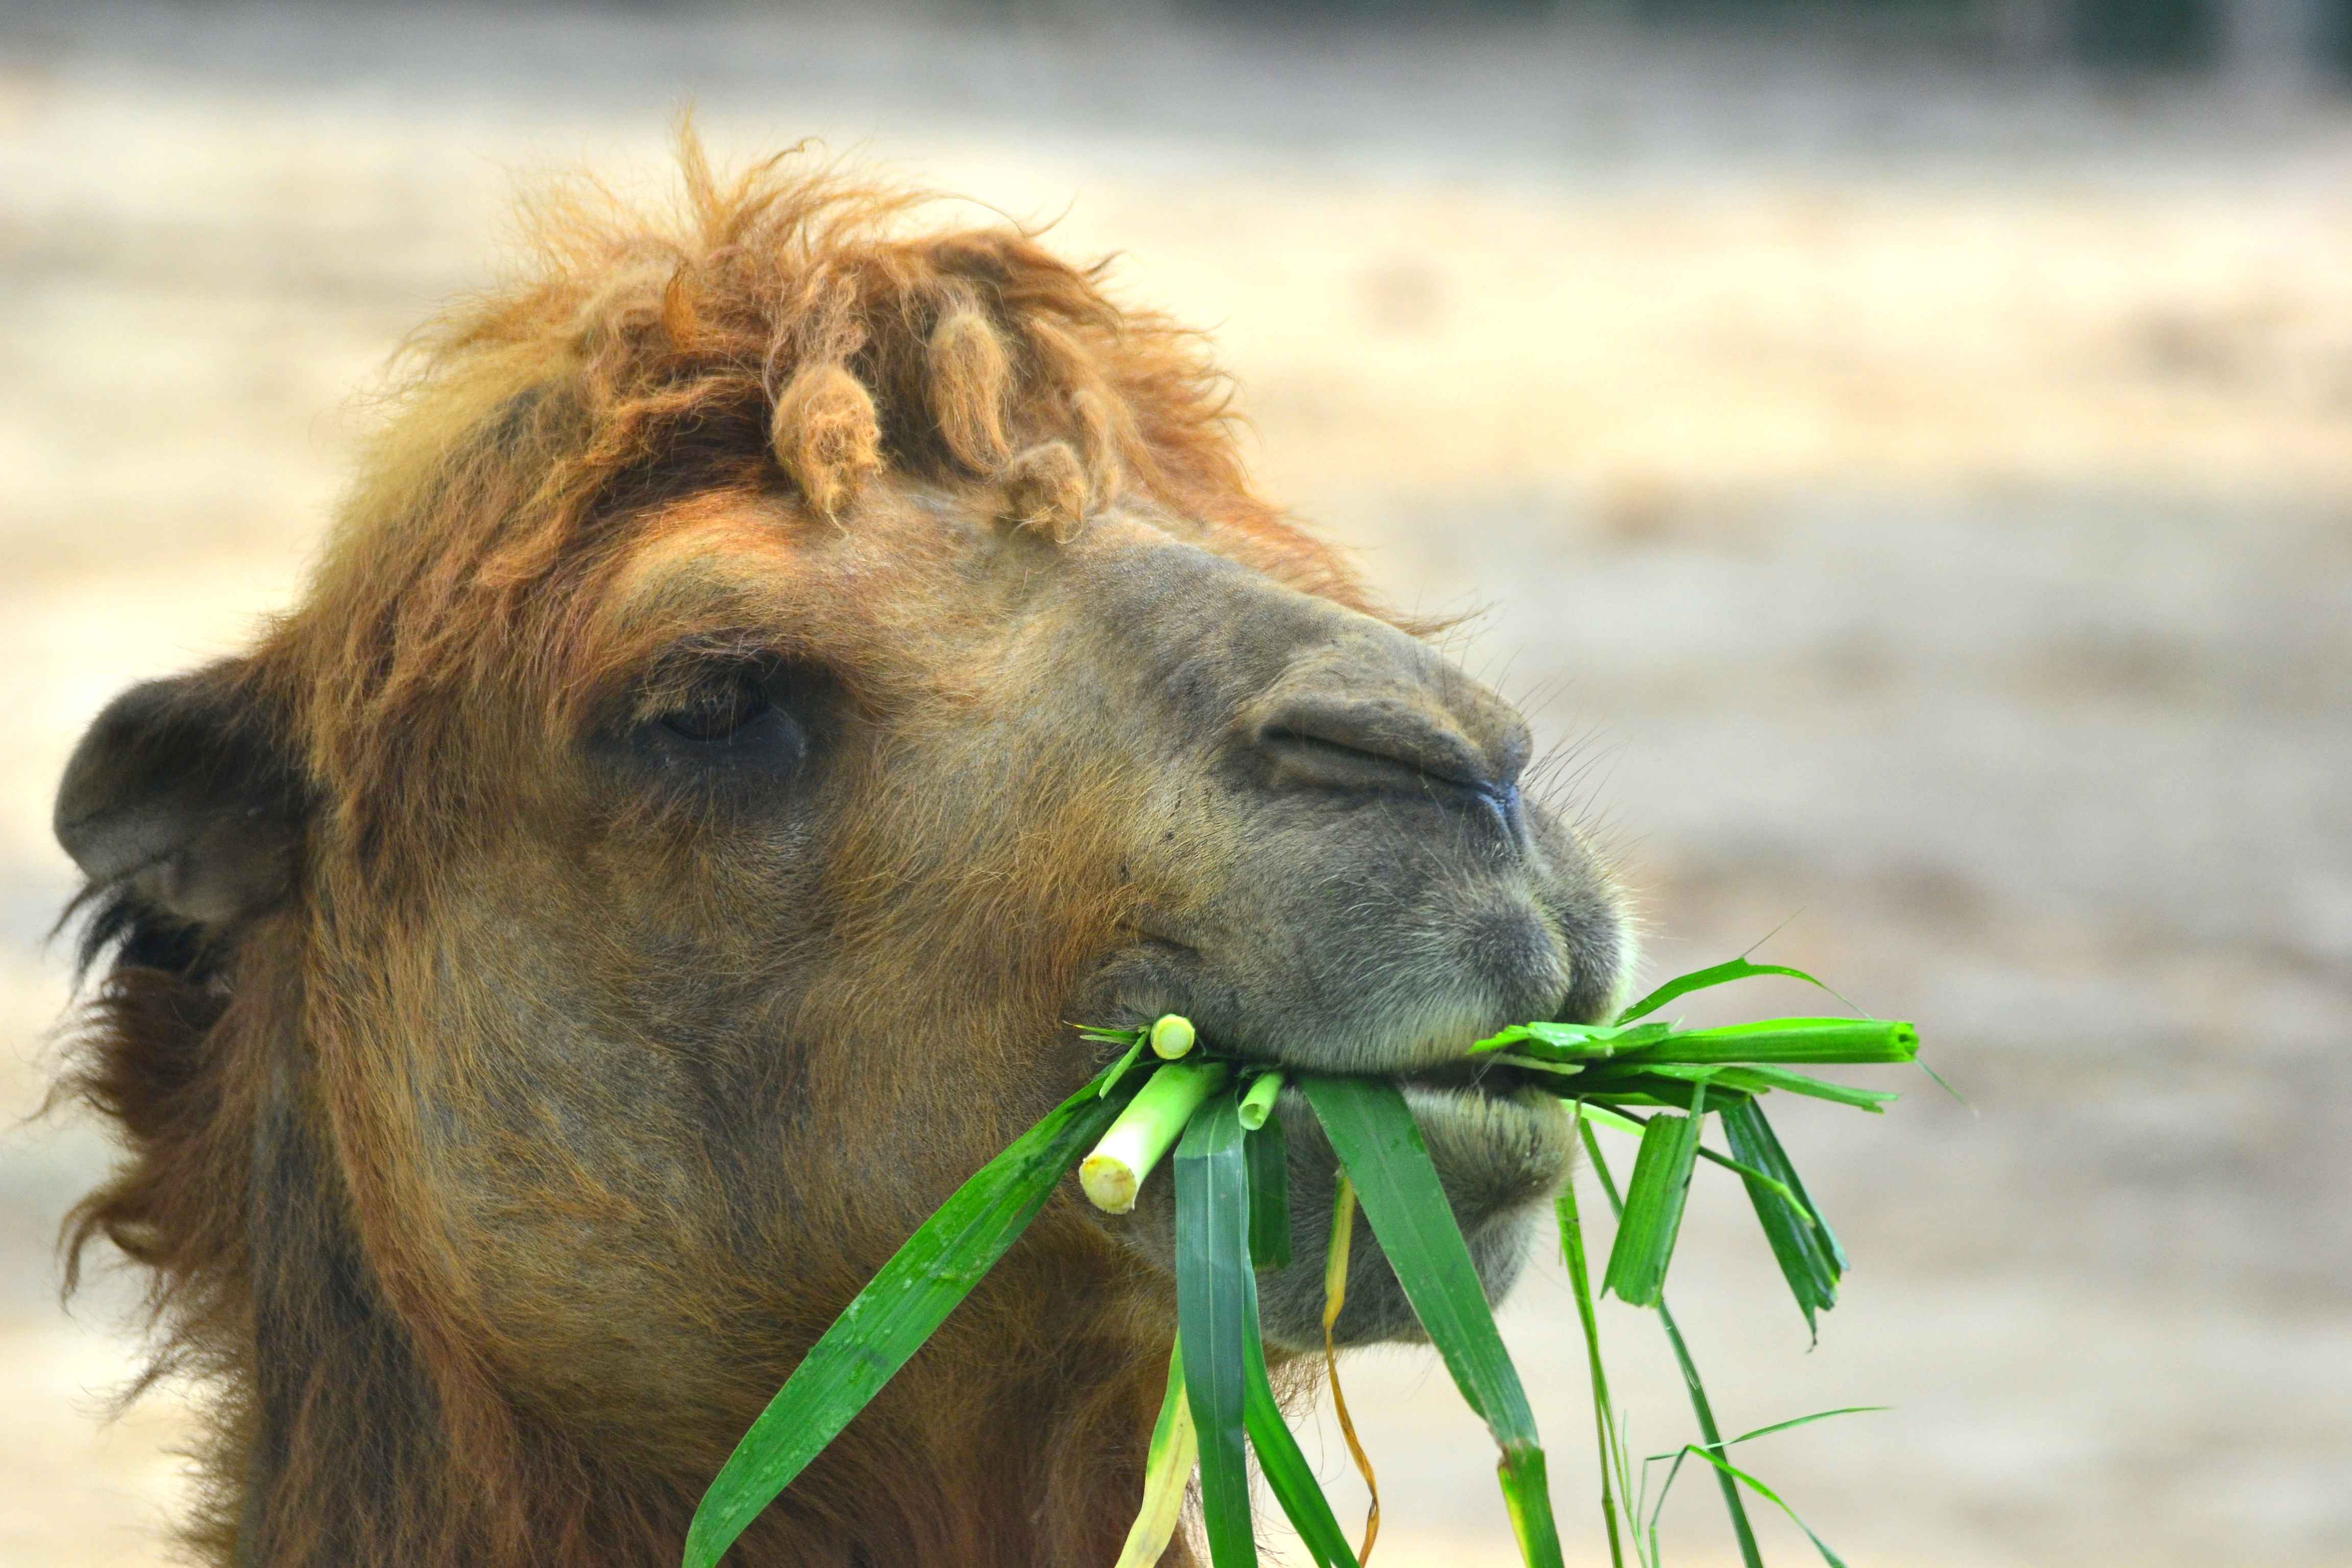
(859, 795)
(772, 677)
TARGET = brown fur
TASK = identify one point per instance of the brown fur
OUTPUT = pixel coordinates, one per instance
(508, 1105)
(1046, 488)
(781, 330)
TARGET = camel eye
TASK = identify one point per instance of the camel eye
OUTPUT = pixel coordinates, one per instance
(747, 719)
(720, 712)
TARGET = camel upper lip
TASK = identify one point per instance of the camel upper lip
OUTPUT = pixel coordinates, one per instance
(1465, 1074)
(1428, 1053)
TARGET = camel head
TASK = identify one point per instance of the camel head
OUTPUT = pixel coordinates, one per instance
(775, 673)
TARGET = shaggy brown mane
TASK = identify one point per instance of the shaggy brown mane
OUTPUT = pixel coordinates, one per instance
(778, 328)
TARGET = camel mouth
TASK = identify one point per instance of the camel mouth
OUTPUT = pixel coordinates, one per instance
(1478, 1077)
(1502, 1142)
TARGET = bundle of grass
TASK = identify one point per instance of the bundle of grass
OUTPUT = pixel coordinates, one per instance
(1653, 1079)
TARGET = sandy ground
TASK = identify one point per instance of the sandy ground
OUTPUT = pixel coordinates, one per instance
(1916, 499)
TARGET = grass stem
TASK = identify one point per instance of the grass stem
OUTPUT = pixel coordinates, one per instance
(1750, 1556)
(1172, 1036)
(1604, 1419)
(1257, 1100)
(1146, 1131)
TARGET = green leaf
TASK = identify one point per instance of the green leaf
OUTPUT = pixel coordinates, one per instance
(1604, 1420)
(1269, 1183)
(1571, 1042)
(1803, 1244)
(1600, 1117)
(889, 1319)
(1166, 1472)
(1755, 1133)
(1818, 1040)
(1764, 1080)
(1938, 1078)
(1804, 1421)
(1214, 1291)
(1733, 1471)
(1372, 1130)
(1539, 1064)
(1641, 1085)
(1527, 1500)
(1653, 1205)
(1726, 1474)
(1119, 1069)
(1743, 1533)
(1217, 1169)
(1701, 979)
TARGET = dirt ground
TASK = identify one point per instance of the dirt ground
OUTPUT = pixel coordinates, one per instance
(1913, 497)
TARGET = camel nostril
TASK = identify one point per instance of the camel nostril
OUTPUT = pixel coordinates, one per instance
(1383, 744)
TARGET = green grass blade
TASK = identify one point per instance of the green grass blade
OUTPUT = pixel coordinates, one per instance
(1373, 1133)
(1805, 1421)
(1537, 1064)
(1219, 1166)
(1604, 1419)
(1816, 1040)
(1642, 1085)
(1527, 1499)
(1559, 1036)
(1957, 1098)
(1571, 1042)
(1803, 1244)
(1701, 979)
(1119, 1069)
(1269, 1179)
(1654, 1198)
(1764, 1080)
(1388, 1164)
(890, 1319)
(1726, 1467)
(1599, 1116)
(1730, 1477)
(1166, 1472)
(1744, 1532)
(1703, 1408)
(1214, 1289)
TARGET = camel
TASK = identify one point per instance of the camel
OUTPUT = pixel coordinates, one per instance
(783, 661)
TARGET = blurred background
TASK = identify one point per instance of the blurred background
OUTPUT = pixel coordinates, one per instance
(1899, 450)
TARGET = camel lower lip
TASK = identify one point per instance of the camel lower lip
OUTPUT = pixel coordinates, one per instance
(1492, 1092)
(1514, 1145)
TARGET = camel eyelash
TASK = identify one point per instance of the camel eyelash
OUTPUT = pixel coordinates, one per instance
(688, 670)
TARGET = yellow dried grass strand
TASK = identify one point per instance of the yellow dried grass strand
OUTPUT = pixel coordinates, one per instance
(1175, 1450)
(1335, 1296)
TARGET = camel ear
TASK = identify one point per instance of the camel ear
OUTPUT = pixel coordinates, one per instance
(180, 795)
